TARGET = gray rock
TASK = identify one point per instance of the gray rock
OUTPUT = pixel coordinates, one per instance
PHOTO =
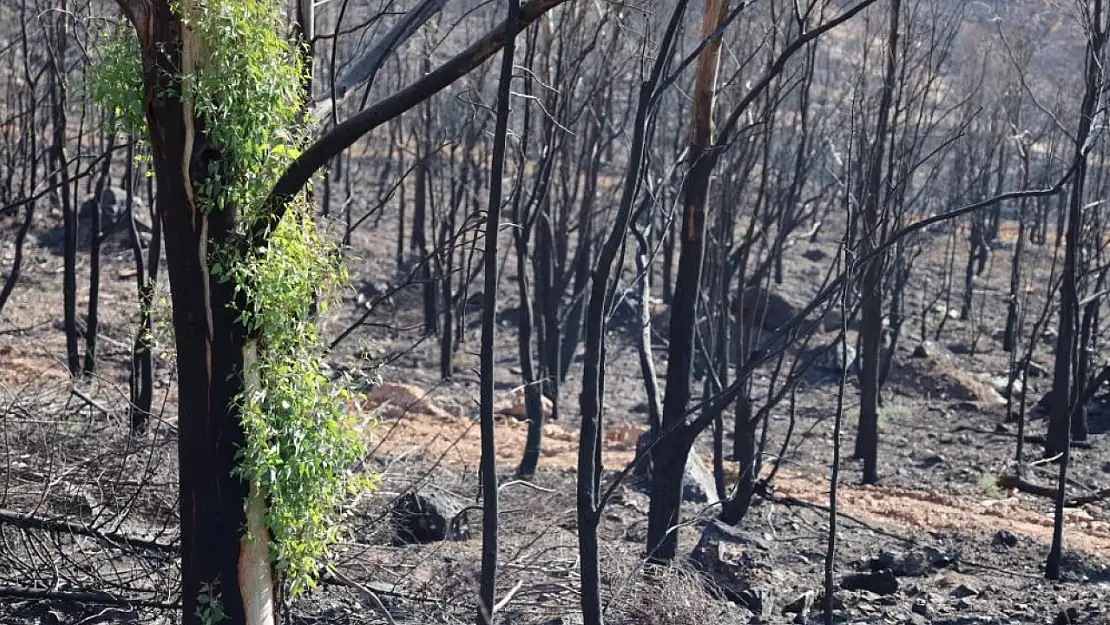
(929, 349)
(697, 485)
(879, 582)
(767, 309)
(113, 214)
(428, 517)
(814, 255)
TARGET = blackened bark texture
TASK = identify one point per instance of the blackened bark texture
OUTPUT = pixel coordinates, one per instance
(421, 185)
(668, 457)
(487, 583)
(547, 302)
(141, 379)
(1066, 391)
(593, 370)
(95, 228)
(59, 179)
(216, 557)
(871, 318)
(17, 261)
(1013, 302)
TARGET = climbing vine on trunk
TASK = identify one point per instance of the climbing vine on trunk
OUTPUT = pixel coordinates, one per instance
(236, 97)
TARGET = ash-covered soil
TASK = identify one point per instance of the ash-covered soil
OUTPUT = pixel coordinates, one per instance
(941, 539)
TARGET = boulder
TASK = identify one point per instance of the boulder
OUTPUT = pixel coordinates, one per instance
(427, 517)
(944, 379)
(769, 310)
(834, 358)
(512, 404)
(814, 255)
(879, 582)
(396, 399)
(929, 349)
(113, 214)
(728, 558)
(697, 485)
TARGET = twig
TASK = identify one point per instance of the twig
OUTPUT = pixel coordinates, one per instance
(366, 594)
(528, 484)
(18, 330)
(507, 598)
(90, 401)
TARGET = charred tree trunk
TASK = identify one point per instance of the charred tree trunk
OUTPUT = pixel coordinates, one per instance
(1066, 391)
(668, 457)
(59, 179)
(217, 556)
(871, 322)
(487, 583)
(97, 236)
(1013, 302)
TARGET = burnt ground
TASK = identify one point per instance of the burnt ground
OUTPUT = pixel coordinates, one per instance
(962, 547)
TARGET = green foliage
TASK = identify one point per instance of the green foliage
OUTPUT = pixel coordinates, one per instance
(210, 610)
(988, 483)
(300, 443)
(246, 92)
(116, 79)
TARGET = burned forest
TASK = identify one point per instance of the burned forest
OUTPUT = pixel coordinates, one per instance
(554, 312)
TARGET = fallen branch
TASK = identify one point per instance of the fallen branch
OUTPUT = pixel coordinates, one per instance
(92, 403)
(26, 521)
(507, 598)
(1030, 488)
(82, 596)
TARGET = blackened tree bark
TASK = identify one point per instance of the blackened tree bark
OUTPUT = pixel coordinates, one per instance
(419, 241)
(871, 310)
(668, 458)
(593, 373)
(94, 256)
(59, 179)
(488, 580)
(141, 379)
(1013, 302)
(677, 438)
(17, 261)
(1066, 391)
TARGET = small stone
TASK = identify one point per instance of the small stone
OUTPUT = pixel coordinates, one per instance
(928, 349)
(881, 582)
(932, 460)
(1067, 616)
(1037, 370)
(1005, 538)
(963, 591)
(801, 605)
(921, 607)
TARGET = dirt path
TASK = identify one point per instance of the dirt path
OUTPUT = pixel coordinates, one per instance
(920, 511)
(454, 439)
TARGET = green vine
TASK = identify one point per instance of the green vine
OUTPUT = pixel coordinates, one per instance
(299, 441)
(115, 81)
